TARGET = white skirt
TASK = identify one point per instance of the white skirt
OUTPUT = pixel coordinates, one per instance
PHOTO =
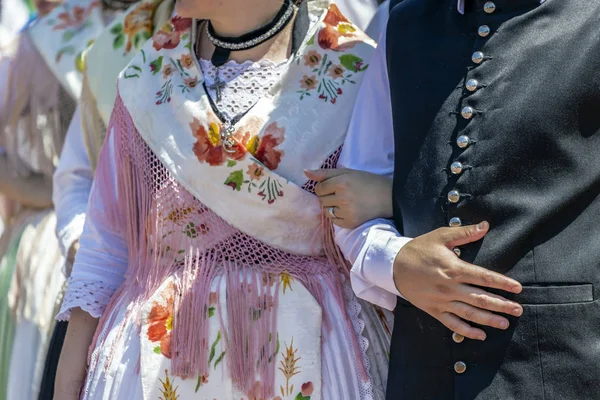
(137, 370)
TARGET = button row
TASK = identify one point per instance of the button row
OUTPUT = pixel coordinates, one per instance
(463, 142)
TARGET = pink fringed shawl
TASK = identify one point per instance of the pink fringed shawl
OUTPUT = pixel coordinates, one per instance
(168, 195)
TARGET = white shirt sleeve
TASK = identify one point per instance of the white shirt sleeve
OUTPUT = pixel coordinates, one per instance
(72, 184)
(379, 20)
(102, 259)
(369, 146)
(360, 12)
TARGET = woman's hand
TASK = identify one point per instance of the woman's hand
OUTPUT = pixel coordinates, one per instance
(72, 365)
(354, 196)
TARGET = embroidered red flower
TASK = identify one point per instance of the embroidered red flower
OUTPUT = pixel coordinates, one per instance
(337, 27)
(209, 148)
(307, 389)
(181, 24)
(267, 153)
(160, 320)
(75, 18)
(166, 40)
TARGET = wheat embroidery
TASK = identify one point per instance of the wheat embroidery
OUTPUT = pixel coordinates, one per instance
(289, 368)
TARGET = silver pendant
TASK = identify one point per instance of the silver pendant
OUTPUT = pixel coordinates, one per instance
(227, 131)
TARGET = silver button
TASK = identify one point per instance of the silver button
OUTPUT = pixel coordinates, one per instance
(453, 196)
(489, 7)
(477, 57)
(463, 141)
(458, 253)
(467, 112)
(456, 167)
(483, 30)
(458, 339)
(454, 222)
(472, 85)
(460, 367)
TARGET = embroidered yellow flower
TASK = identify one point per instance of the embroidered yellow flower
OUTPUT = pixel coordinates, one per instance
(252, 145)
(214, 133)
(286, 281)
(345, 28)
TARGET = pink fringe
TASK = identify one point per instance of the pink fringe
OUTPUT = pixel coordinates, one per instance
(152, 202)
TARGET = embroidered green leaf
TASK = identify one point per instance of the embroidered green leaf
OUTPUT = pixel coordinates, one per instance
(231, 163)
(211, 312)
(311, 41)
(300, 397)
(156, 65)
(352, 62)
(190, 230)
(68, 35)
(138, 39)
(65, 50)
(132, 74)
(235, 180)
(198, 384)
(185, 36)
(213, 348)
(116, 29)
(119, 41)
(221, 357)
(156, 349)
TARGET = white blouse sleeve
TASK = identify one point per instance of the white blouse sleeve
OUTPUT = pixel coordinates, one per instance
(101, 261)
(72, 184)
(369, 146)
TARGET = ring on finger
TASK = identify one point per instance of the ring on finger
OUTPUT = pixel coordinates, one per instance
(331, 213)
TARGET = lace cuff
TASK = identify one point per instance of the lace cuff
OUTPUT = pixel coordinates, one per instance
(91, 297)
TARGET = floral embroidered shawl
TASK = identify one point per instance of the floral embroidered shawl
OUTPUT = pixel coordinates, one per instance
(62, 36)
(106, 58)
(298, 125)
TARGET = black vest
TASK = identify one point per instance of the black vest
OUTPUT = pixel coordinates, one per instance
(510, 135)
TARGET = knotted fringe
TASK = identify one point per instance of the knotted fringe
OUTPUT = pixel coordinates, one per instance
(249, 331)
(335, 257)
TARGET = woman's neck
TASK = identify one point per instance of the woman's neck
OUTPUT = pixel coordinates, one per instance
(248, 20)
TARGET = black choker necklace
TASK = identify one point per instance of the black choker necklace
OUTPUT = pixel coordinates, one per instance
(225, 45)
